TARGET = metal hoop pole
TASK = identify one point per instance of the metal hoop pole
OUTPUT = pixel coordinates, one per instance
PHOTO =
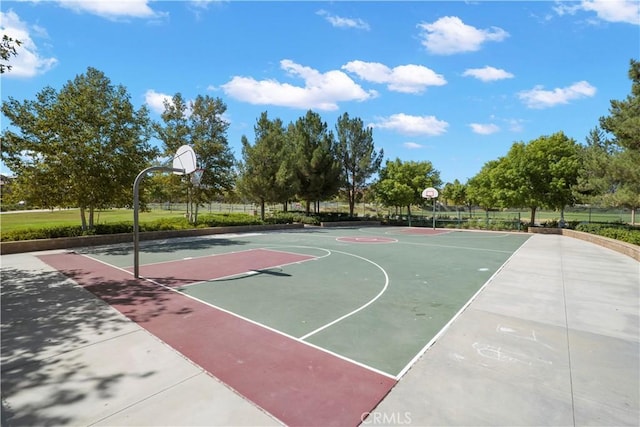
(136, 203)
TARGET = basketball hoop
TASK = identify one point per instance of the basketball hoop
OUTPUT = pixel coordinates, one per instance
(185, 159)
(430, 193)
(196, 177)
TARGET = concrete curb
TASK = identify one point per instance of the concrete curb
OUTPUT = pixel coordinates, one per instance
(23, 246)
(624, 248)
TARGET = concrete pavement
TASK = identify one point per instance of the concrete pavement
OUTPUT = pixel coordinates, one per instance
(552, 339)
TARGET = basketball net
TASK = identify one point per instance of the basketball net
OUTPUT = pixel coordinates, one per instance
(196, 177)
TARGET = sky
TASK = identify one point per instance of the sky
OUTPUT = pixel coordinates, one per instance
(455, 83)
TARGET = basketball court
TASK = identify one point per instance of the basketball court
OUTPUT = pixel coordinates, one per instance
(319, 326)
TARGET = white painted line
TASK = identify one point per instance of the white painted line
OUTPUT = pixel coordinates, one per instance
(253, 322)
(386, 285)
(465, 248)
(453, 319)
(269, 328)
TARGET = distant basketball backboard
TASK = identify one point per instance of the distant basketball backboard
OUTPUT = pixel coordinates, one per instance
(185, 159)
(430, 193)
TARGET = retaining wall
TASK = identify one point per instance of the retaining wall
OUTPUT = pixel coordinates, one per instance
(110, 239)
(624, 248)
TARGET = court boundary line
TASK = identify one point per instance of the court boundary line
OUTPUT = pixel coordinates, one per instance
(252, 272)
(194, 257)
(269, 328)
(253, 322)
(249, 272)
(490, 234)
(465, 248)
(444, 329)
(341, 318)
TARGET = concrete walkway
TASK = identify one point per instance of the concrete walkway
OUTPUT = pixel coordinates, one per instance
(553, 339)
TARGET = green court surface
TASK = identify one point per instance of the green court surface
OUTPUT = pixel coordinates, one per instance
(377, 296)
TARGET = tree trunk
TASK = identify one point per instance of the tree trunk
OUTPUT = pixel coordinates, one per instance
(91, 211)
(83, 218)
(308, 207)
(633, 216)
(262, 209)
(352, 201)
(533, 215)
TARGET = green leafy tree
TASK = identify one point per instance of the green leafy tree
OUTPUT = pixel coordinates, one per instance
(316, 163)
(266, 173)
(8, 48)
(82, 146)
(595, 181)
(357, 156)
(481, 189)
(542, 173)
(623, 122)
(401, 183)
(455, 192)
(201, 125)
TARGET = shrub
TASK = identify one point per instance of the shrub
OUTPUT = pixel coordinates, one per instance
(227, 219)
(615, 230)
(42, 233)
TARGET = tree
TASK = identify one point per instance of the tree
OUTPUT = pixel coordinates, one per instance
(201, 125)
(266, 174)
(82, 146)
(624, 116)
(357, 156)
(401, 183)
(8, 48)
(623, 123)
(455, 192)
(595, 179)
(316, 164)
(542, 173)
(481, 188)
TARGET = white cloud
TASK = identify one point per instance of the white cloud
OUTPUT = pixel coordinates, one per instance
(484, 129)
(412, 125)
(204, 4)
(607, 10)
(404, 78)
(155, 100)
(27, 62)
(487, 74)
(515, 125)
(615, 11)
(113, 9)
(341, 22)
(449, 35)
(540, 98)
(321, 90)
(412, 145)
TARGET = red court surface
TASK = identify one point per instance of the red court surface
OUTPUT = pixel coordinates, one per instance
(201, 269)
(296, 383)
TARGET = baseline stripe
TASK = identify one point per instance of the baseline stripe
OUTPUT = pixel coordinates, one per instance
(295, 382)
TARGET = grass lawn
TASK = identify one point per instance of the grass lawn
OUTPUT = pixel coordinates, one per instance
(35, 220)
(22, 220)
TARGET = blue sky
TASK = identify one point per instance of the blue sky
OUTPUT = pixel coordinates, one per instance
(455, 83)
